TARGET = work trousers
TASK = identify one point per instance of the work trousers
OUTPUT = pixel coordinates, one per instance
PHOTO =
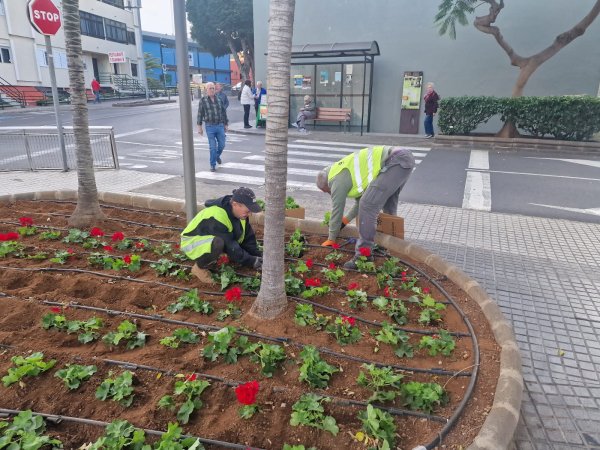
(207, 260)
(382, 193)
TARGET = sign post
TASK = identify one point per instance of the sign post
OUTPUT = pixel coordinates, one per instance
(45, 18)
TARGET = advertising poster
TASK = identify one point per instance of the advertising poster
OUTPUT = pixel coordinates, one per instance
(307, 83)
(298, 81)
(338, 77)
(324, 78)
(411, 91)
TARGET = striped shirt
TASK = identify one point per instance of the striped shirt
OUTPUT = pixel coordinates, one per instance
(211, 112)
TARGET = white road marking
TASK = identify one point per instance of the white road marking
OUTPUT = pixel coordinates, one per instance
(306, 162)
(541, 175)
(478, 191)
(257, 181)
(260, 168)
(593, 211)
(149, 145)
(143, 130)
(353, 144)
(585, 162)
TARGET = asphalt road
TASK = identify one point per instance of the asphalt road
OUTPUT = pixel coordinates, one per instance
(517, 182)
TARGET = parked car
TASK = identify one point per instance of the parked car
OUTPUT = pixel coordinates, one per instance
(237, 88)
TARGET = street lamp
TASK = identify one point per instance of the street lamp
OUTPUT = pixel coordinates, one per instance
(163, 67)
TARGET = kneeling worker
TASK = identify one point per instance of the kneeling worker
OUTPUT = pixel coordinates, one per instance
(372, 176)
(223, 227)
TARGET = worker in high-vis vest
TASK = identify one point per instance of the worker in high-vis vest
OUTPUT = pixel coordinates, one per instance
(223, 227)
(373, 177)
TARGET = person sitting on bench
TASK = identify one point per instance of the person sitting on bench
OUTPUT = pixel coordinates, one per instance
(308, 111)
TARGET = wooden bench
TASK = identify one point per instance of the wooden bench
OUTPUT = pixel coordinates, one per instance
(333, 115)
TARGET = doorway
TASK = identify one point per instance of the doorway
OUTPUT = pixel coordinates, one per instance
(95, 68)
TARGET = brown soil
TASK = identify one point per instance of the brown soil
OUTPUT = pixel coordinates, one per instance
(23, 306)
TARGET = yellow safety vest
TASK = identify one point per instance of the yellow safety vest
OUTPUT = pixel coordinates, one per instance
(363, 165)
(196, 246)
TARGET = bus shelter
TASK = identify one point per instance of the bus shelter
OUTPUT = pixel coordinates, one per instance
(338, 75)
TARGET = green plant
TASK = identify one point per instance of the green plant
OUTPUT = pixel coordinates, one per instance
(393, 307)
(315, 291)
(189, 391)
(74, 374)
(398, 339)
(305, 315)
(430, 312)
(61, 256)
(27, 231)
(309, 411)
(290, 203)
(165, 267)
(344, 330)
(29, 366)
(180, 335)
(226, 276)
(190, 300)
(380, 426)
(231, 311)
(269, 356)
(120, 434)
(326, 218)
(38, 255)
(49, 235)
(356, 298)
(314, 370)
(119, 389)
(87, 329)
(296, 245)
(128, 332)
(382, 381)
(221, 343)
(163, 248)
(11, 247)
(332, 273)
(75, 236)
(423, 396)
(444, 344)
(363, 265)
(293, 285)
(26, 432)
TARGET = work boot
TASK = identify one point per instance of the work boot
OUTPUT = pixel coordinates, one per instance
(202, 274)
(351, 265)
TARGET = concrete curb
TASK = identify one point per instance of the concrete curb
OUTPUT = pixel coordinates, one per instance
(499, 427)
(496, 143)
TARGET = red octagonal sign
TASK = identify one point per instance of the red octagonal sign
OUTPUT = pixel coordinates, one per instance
(44, 16)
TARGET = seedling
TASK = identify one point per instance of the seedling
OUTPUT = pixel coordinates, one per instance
(393, 307)
(61, 256)
(423, 396)
(344, 330)
(356, 298)
(76, 236)
(430, 312)
(398, 339)
(30, 366)
(49, 235)
(444, 344)
(309, 411)
(333, 273)
(221, 343)
(379, 425)
(128, 332)
(189, 392)
(11, 247)
(382, 381)
(315, 371)
(305, 315)
(293, 286)
(269, 356)
(295, 247)
(119, 389)
(74, 374)
(26, 432)
(180, 335)
(190, 300)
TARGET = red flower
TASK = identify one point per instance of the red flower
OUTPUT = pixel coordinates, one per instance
(127, 259)
(246, 393)
(233, 294)
(426, 290)
(26, 221)
(386, 291)
(118, 236)
(353, 286)
(365, 251)
(309, 263)
(223, 259)
(176, 245)
(335, 246)
(96, 232)
(349, 320)
(12, 236)
(139, 245)
(70, 251)
(55, 309)
(108, 248)
(331, 266)
(191, 377)
(312, 282)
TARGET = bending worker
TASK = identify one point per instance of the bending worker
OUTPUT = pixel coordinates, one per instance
(372, 176)
(223, 227)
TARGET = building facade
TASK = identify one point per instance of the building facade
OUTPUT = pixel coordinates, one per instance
(107, 27)
(473, 64)
(161, 47)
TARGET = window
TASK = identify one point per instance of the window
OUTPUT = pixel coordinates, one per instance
(91, 25)
(134, 72)
(5, 55)
(131, 37)
(117, 3)
(115, 31)
(2, 8)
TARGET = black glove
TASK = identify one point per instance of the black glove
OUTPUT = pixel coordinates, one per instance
(258, 262)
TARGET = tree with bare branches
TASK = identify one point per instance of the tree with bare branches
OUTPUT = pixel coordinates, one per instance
(272, 300)
(88, 210)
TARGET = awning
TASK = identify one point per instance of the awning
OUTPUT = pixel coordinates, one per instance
(337, 49)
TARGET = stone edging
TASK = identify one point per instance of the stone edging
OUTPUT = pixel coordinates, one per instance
(499, 427)
(497, 143)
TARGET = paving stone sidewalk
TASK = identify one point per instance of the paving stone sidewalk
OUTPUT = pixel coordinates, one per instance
(544, 274)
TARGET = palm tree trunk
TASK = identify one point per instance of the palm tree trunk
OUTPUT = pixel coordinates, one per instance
(88, 211)
(272, 300)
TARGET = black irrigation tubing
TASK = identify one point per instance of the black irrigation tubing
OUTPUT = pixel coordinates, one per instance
(104, 205)
(130, 222)
(56, 419)
(337, 400)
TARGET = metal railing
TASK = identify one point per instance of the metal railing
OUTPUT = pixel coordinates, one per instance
(12, 92)
(37, 148)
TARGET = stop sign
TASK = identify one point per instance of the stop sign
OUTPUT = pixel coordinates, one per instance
(44, 16)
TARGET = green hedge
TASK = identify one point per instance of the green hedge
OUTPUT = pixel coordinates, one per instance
(568, 118)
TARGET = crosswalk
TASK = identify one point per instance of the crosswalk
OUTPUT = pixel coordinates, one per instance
(305, 159)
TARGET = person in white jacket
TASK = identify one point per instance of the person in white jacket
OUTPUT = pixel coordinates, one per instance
(247, 99)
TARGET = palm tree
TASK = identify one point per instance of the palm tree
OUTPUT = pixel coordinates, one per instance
(88, 210)
(271, 300)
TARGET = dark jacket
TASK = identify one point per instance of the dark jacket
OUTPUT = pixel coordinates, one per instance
(244, 253)
(431, 103)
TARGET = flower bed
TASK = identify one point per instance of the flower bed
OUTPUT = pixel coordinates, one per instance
(119, 297)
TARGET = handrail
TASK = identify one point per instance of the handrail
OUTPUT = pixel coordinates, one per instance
(12, 92)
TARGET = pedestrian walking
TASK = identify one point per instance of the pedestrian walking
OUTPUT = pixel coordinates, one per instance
(212, 112)
(373, 177)
(222, 96)
(247, 99)
(307, 112)
(96, 90)
(223, 227)
(431, 106)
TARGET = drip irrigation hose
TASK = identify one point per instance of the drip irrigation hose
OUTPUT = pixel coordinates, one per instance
(107, 206)
(56, 419)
